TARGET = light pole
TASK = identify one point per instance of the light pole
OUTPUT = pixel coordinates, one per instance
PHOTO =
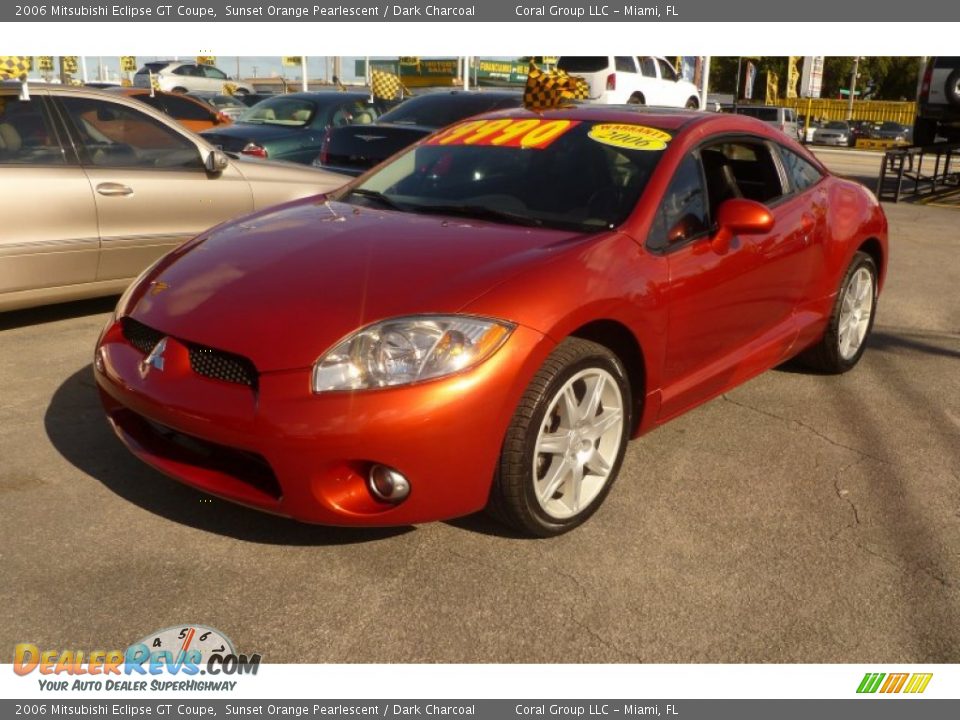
(853, 87)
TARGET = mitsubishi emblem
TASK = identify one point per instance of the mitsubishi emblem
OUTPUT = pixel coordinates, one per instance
(154, 359)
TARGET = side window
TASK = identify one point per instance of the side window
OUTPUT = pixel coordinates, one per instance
(648, 66)
(344, 114)
(666, 70)
(113, 135)
(625, 64)
(26, 135)
(213, 73)
(682, 214)
(188, 70)
(740, 170)
(800, 173)
(183, 109)
(363, 113)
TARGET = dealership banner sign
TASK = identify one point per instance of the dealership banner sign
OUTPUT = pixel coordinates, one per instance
(468, 11)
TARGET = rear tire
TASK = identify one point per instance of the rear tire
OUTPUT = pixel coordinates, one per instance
(851, 321)
(566, 442)
(693, 104)
(179, 90)
(924, 131)
(637, 99)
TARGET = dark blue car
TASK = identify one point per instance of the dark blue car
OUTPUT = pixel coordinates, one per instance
(292, 127)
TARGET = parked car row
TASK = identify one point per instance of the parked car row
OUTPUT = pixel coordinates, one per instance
(97, 185)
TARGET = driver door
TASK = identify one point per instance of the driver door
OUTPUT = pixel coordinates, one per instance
(730, 305)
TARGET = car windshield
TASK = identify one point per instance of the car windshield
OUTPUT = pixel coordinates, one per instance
(836, 125)
(444, 109)
(152, 67)
(558, 173)
(295, 112)
(224, 101)
(891, 126)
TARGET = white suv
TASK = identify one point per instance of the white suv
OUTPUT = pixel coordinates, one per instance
(938, 102)
(175, 76)
(644, 80)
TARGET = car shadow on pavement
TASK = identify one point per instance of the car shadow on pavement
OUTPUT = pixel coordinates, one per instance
(78, 429)
(54, 313)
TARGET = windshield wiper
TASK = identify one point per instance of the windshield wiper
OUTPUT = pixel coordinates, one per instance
(377, 196)
(480, 212)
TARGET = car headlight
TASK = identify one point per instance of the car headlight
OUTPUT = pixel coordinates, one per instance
(407, 350)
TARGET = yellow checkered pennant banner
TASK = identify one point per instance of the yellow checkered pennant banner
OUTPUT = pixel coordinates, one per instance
(15, 67)
(554, 88)
(386, 85)
(128, 63)
(229, 88)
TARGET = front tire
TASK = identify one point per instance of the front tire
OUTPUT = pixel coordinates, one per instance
(851, 321)
(566, 442)
(693, 104)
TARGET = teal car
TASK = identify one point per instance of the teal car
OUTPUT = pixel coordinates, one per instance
(292, 127)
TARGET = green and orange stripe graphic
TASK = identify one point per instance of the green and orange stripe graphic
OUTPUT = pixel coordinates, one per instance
(894, 682)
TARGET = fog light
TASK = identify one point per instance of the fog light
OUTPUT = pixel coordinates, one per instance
(387, 484)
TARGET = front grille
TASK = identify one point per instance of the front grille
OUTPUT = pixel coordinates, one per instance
(222, 366)
(206, 361)
(143, 338)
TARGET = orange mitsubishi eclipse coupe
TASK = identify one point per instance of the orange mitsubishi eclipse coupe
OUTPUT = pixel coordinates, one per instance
(486, 319)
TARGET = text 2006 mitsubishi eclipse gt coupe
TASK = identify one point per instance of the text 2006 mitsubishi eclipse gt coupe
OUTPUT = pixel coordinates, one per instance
(486, 320)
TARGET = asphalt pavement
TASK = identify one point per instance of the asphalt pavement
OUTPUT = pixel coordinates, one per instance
(799, 518)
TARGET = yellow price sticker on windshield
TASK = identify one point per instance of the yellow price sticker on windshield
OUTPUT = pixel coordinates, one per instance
(529, 133)
(630, 137)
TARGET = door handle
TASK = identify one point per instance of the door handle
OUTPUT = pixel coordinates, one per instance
(111, 189)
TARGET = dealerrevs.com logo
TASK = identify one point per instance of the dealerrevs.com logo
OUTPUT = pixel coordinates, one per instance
(894, 683)
(169, 659)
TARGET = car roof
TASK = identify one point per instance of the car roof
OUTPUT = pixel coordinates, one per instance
(456, 92)
(665, 118)
(323, 95)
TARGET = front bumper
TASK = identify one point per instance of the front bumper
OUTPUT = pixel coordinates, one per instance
(837, 141)
(280, 448)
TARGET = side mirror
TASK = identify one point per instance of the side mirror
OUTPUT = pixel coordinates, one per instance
(217, 161)
(739, 216)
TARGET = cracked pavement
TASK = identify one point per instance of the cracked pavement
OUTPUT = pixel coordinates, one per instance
(799, 518)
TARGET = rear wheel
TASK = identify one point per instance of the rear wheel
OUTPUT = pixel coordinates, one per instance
(924, 131)
(566, 441)
(637, 99)
(693, 104)
(179, 90)
(851, 321)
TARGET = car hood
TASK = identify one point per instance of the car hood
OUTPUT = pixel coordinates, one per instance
(282, 286)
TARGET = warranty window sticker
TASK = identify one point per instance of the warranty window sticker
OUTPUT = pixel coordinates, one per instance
(630, 137)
